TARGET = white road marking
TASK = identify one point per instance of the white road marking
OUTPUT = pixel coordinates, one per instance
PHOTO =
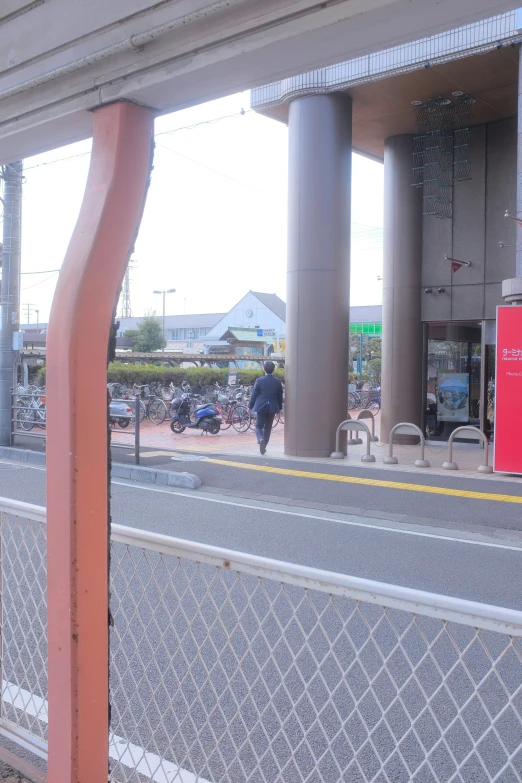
(352, 523)
(369, 524)
(132, 756)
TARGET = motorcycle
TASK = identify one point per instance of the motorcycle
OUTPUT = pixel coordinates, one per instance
(205, 417)
(120, 413)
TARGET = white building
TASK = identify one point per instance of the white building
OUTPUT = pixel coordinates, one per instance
(254, 310)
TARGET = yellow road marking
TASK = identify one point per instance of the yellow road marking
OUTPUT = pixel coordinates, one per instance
(459, 493)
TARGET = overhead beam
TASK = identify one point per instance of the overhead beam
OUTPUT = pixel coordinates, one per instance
(171, 54)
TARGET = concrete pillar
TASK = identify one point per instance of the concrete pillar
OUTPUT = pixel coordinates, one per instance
(78, 480)
(318, 282)
(512, 288)
(401, 373)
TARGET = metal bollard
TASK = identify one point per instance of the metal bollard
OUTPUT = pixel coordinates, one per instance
(451, 465)
(355, 426)
(406, 426)
(137, 430)
(366, 414)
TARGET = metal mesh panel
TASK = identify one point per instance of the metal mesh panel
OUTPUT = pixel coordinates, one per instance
(449, 45)
(24, 628)
(228, 677)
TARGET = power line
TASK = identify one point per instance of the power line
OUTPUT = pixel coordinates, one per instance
(215, 171)
(27, 287)
(205, 122)
(241, 113)
(42, 272)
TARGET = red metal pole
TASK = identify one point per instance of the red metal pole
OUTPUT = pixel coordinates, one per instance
(77, 481)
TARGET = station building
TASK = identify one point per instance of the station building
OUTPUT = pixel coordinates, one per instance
(441, 113)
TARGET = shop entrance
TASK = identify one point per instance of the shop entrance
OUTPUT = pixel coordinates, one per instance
(455, 377)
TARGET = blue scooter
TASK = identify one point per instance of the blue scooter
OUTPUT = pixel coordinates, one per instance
(204, 418)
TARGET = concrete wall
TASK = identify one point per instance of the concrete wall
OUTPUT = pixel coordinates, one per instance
(473, 234)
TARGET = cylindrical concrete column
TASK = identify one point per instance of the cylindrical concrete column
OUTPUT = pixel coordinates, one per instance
(318, 290)
(512, 288)
(401, 373)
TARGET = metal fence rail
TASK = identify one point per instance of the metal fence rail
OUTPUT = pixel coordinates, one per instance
(227, 667)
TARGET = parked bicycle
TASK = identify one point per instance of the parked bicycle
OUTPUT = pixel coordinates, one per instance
(30, 410)
(150, 404)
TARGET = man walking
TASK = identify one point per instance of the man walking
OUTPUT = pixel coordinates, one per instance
(265, 402)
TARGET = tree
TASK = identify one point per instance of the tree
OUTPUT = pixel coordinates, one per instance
(374, 369)
(373, 349)
(130, 333)
(150, 335)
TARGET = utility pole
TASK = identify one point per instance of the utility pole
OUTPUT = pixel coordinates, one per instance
(167, 291)
(29, 311)
(126, 310)
(10, 292)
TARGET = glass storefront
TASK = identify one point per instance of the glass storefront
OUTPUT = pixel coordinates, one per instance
(454, 377)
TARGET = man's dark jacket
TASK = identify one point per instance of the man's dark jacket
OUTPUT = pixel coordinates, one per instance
(267, 395)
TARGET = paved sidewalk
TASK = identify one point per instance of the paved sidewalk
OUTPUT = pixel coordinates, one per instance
(159, 441)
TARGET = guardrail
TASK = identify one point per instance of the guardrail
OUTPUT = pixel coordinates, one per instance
(232, 667)
(135, 431)
(28, 413)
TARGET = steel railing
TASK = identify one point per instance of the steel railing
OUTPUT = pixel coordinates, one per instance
(228, 667)
(28, 414)
(29, 419)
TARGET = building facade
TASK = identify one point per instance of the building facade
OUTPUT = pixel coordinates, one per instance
(442, 115)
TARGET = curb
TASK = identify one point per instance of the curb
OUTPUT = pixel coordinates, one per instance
(152, 476)
(22, 455)
(119, 470)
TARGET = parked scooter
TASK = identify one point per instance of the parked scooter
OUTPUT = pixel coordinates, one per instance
(120, 413)
(204, 418)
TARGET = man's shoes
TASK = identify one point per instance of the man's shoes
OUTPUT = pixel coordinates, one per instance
(262, 446)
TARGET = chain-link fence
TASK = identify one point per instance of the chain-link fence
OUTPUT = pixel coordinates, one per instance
(231, 668)
(23, 705)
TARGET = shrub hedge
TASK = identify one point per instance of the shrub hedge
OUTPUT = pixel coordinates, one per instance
(147, 373)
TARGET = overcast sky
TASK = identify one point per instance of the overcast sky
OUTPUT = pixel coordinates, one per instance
(215, 221)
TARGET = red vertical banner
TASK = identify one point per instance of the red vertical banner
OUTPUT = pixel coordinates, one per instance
(508, 391)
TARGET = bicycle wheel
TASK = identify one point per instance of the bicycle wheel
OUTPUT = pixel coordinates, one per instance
(157, 411)
(374, 406)
(241, 418)
(26, 419)
(226, 415)
(276, 420)
(352, 401)
(365, 400)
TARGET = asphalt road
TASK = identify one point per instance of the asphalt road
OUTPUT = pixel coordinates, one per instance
(407, 506)
(245, 681)
(479, 564)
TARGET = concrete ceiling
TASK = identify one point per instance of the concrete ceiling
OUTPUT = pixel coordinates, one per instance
(60, 59)
(383, 108)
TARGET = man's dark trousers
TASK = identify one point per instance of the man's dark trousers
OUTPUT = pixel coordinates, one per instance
(264, 421)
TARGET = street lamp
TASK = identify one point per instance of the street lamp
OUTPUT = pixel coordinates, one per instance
(166, 291)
